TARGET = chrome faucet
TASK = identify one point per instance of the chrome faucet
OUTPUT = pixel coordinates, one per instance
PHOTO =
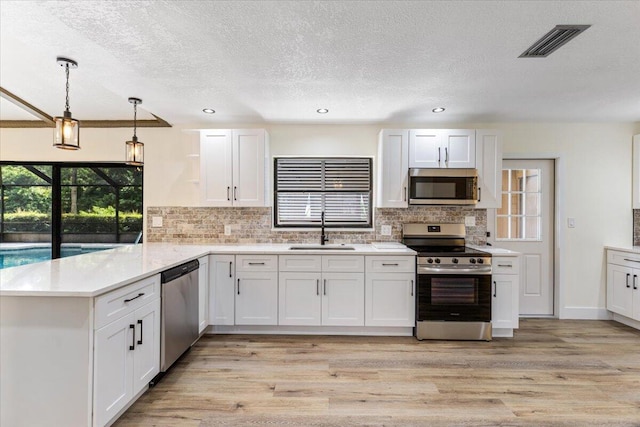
(323, 237)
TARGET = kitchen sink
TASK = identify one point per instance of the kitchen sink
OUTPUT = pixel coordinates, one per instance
(321, 248)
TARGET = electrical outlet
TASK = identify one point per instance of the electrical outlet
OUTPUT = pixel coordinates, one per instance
(385, 230)
(156, 221)
(571, 222)
(227, 230)
(470, 221)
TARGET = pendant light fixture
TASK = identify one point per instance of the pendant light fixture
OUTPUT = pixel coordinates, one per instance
(67, 135)
(134, 148)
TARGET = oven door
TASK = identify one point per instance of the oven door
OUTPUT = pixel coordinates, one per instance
(454, 297)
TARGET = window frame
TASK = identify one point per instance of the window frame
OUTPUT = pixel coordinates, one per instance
(316, 224)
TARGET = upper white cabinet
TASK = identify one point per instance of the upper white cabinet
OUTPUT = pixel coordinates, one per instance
(393, 166)
(636, 172)
(442, 148)
(234, 167)
(489, 166)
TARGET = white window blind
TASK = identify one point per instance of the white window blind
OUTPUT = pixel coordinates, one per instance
(305, 187)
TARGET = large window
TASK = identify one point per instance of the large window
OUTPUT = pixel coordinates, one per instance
(70, 203)
(304, 187)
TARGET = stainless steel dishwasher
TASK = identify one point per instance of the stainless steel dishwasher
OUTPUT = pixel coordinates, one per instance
(179, 318)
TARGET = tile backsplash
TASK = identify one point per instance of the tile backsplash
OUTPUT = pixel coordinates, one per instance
(206, 225)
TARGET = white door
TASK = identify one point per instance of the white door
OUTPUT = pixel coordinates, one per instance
(299, 300)
(525, 223)
(256, 298)
(393, 166)
(390, 299)
(343, 299)
(147, 353)
(221, 290)
(216, 160)
(248, 170)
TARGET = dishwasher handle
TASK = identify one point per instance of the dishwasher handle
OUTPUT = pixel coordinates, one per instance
(179, 271)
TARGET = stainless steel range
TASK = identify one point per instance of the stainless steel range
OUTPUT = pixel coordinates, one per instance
(454, 283)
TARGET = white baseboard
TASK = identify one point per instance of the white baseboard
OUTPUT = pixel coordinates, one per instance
(585, 313)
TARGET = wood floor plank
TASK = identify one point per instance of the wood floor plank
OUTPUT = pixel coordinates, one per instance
(552, 373)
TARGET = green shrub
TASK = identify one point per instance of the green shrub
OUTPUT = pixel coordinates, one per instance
(84, 222)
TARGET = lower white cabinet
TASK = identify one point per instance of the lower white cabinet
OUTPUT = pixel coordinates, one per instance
(222, 290)
(623, 284)
(505, 292)
(126, 358)
(256, 299)
(342, 299)
(300, 298)
(390, 299)
(203, 293)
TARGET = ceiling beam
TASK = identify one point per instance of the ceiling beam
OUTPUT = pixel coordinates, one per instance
(47, 121)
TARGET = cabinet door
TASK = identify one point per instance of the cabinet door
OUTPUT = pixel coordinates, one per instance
(343, 299)
(390, 299)
(147, 353)
(636, 295)
(459, 147)
(620, 289)
(203, 293)
(256, 298)
(393, 169)
(216, 161)
(113, 368)
(489, 165)
(505, 287)
(299, 301)
(425, 149)
(249, 167)
(221, 290)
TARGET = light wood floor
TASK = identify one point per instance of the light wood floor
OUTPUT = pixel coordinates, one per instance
(553, 373)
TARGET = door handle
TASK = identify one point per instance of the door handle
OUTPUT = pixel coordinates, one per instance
(390, 265)
(628, 275)
(228, 198)
(479, 194)
(317, 286)
(635, 281)
(140, 323)
(405, 194)
(411, 287)
(438, 154)
(495, 289)
(235, 193)
(133, 336)
(325, 287)
(446, 155)
(230, 264)
(136, 297)
(238, 286)
(256, 263)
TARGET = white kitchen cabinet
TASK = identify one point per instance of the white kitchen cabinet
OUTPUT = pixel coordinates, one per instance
(393, 169)
(221, 290)
(256, 299)
(234, 167)
(505, 293)
(489, 166)
(623, 284)
(126, 354)
(636, 172)
(442, 148)
(203, 293)
(343, 299)
(390, 291)
(299, 301)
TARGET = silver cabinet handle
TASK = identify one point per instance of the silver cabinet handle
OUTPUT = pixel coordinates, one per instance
(438, 154)
(230, 264)
(404, 195)
(228, 188)
(235, 193)
(256, 263)
(446, 155)
(495, 289)
(631, 260)
(628, 275)
(411, 287)
(505, 265)
(325, 287)
(238, 286)
(390, 265)
(317, 286)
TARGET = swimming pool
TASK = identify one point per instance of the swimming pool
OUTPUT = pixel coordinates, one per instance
(28, 255)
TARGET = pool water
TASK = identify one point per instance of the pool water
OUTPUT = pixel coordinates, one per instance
(16, 257)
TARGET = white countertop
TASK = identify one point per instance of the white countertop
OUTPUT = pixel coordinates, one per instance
(630, 249)
(95, 273)
(494, 250)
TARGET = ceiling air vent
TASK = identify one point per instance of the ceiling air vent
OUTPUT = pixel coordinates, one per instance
(552, 41)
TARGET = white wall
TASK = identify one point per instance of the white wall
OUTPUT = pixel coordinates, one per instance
(595, 177)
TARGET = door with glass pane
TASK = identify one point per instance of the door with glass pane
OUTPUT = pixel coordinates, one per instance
(525, 223)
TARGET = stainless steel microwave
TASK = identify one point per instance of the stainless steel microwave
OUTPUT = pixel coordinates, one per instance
(443, 186)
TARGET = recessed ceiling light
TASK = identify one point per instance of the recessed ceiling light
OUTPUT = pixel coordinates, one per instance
(322, 111)
(438, 110)
(209, 111)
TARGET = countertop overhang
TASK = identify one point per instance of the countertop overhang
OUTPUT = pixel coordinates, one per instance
(96, 273)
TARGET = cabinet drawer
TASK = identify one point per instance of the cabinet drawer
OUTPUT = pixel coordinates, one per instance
(118, 303)
(300, 262)
(505, 265)
(390, 264)
(256, 262)
(626, 259)
(344, 263)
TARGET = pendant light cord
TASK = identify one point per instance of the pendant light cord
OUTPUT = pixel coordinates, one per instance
(135, 115)
(66, 69)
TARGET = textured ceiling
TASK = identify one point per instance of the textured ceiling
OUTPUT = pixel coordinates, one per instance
(279, 61)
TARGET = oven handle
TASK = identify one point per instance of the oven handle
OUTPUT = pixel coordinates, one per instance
(435, 270)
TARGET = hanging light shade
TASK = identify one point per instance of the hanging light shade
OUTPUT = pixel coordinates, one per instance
(67, 135)
(134, 150)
